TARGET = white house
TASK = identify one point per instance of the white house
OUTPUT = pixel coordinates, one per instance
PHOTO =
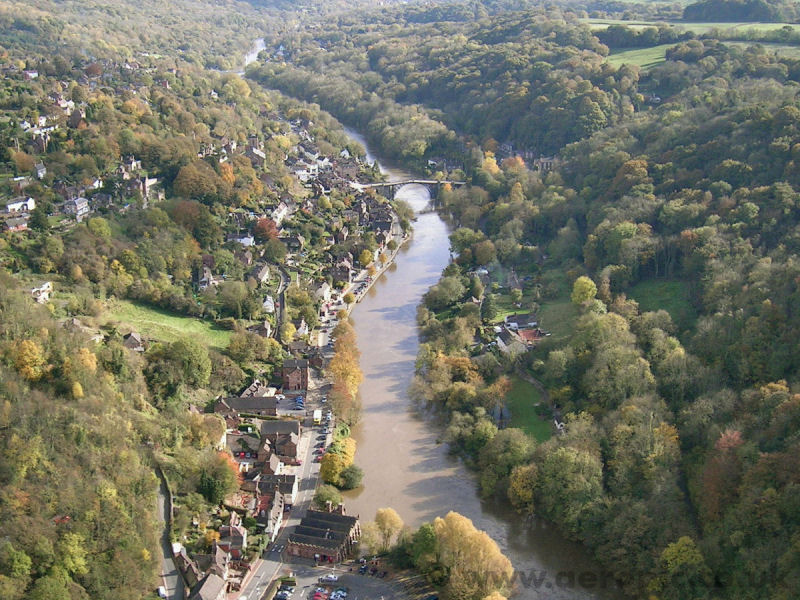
(323, 292)
(21, 205)
(42, 293)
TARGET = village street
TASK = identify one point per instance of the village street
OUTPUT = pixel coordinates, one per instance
(271, 564)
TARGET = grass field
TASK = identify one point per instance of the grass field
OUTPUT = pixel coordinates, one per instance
(558, 317)
(521, 402)
(671, 295)
(647, 58)
(161, 325)
(643, 57)
(698, 28)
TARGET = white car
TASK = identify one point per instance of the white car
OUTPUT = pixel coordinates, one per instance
(330, 578)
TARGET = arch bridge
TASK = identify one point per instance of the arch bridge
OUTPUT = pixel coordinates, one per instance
(389, 188)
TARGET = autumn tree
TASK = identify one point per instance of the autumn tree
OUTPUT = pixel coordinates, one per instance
(265, 229)
(583, 290)
(389, 526)
(476, 565)
(29, 359)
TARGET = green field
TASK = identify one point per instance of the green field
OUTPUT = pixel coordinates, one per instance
(647, 58)
(521, 401)
(643, 57)
(161, 325)
(698, 28)
(671, 295)
(558, 317)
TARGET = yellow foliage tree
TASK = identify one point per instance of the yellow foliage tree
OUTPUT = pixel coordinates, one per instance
(29, 360)
(87, 359)
(477, 567)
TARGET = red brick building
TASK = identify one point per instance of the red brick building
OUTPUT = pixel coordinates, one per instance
(294, 375)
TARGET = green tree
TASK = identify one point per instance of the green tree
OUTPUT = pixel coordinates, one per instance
(350, 477)
(99, 227)
(365, 258)
(507, 449)
(569, 481)
(192, 358)
(684, 573)
(325, 494)
(489, 308)
(583, 290)
(275, 251)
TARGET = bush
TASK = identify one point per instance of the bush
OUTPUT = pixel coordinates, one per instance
(350, 477)
(325, 494)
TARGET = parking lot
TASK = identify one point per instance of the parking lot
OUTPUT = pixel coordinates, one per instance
(348, 585)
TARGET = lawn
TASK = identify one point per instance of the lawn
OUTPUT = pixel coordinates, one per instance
(558, 317)
(698, 28)
(671, 295)
(162, 325)
(646, 58)
(521, 401)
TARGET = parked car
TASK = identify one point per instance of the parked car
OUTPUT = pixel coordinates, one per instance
(330, 577)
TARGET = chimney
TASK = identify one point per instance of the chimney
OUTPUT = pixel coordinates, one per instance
(329, 506)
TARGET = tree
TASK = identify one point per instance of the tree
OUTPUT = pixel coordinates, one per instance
(99, 227)
(29, 359)
(193, 360)
(349, 298)
(470, 554)
(569, 481)
(219, 477)
(275, 251)
(508, 449)
(484, 252)
(15, 563)
(288, 331)
(71, 553)
(521, 486)
(389, 526)
(265, 230)
(325, 494)
(331, 467)
(423, 548)
(684, 574)
(489, 308)
(583, 290)
(39, 220)
(350, 477)
(516, 295)
(365, 258)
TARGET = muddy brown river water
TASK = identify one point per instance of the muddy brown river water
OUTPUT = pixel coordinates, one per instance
(405, 466)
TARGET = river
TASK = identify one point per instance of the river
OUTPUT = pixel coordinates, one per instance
(405, 466)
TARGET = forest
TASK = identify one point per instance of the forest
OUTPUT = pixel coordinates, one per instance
(676, 462)
(649, 218)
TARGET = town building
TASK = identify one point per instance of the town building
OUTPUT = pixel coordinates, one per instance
(325, 536)
(294, 374)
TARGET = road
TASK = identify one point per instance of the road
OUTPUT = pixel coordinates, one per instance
(271, 564)
(170, 578)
